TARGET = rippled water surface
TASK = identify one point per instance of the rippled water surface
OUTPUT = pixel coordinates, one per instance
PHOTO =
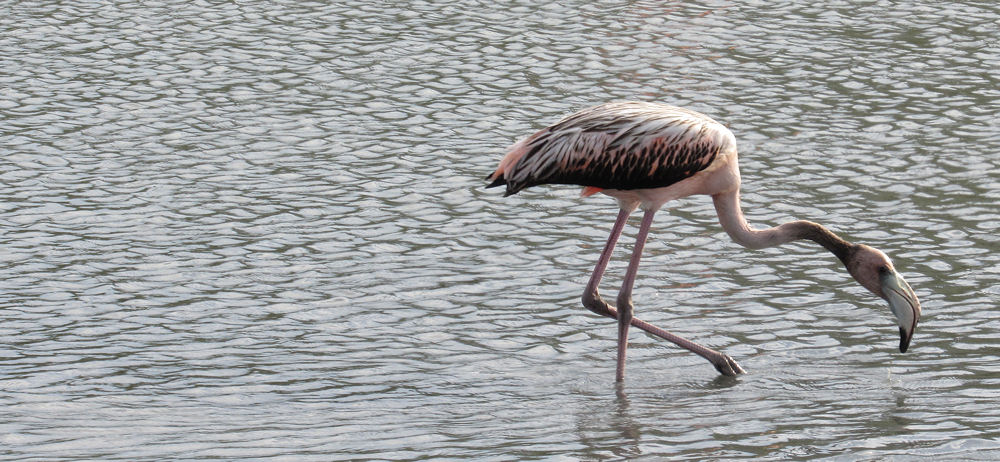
(258, 230)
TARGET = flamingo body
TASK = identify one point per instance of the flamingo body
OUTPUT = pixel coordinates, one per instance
(622, 146)
(646, 154)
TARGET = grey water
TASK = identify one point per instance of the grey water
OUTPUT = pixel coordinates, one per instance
(257, 230)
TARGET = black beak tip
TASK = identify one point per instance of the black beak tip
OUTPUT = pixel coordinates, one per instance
(904, 341)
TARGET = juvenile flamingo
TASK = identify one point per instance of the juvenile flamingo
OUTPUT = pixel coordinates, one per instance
(646, 154)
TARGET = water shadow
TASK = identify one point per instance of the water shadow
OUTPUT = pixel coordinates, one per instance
(609, 429)
(722, 382)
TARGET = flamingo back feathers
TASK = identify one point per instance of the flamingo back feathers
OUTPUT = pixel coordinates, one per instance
(628, 145)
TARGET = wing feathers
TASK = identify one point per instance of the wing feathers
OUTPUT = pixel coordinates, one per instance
(615, 146)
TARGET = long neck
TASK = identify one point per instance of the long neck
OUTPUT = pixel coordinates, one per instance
(731, 217)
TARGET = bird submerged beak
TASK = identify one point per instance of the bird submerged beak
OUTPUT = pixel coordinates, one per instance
(903, 303)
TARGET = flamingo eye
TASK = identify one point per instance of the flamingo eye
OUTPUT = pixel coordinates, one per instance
(883, 269)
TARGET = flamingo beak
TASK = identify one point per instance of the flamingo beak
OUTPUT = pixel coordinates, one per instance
(903, 303)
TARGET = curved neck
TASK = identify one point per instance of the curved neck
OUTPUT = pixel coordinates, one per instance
(727, 205)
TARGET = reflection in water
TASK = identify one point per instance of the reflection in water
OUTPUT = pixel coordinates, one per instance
(890, 424)
(608, 429)
(257, 230)
(723, 381)
(626, 425)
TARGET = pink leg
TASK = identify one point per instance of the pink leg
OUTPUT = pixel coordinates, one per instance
(593, 301)
(625, 312)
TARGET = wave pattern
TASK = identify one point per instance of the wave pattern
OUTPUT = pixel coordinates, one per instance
(257, 230)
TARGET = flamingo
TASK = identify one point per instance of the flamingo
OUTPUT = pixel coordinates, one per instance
(646, 154)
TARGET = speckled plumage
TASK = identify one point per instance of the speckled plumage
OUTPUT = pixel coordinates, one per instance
(623, 146)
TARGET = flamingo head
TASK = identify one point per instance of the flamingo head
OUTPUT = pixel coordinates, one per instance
(874, 271)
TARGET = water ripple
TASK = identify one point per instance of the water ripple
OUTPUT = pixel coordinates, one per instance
(258, 230)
